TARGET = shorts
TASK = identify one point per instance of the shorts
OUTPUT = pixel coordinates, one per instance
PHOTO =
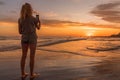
(29, 38)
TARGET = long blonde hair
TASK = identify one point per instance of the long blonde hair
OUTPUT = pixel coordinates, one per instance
(26, 11)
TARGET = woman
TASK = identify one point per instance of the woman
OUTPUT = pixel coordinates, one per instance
(27, 25)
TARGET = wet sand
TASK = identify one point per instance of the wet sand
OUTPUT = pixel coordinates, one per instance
(64, 62)
(61, 66)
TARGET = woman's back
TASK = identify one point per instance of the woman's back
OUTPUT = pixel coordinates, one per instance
(28, 25)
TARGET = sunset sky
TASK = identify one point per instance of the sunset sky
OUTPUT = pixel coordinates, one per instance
(65, 17)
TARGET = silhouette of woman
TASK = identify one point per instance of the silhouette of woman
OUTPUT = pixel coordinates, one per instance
(27, 25)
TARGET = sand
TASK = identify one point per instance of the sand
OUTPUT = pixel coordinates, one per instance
(60, 66)
(63, 61)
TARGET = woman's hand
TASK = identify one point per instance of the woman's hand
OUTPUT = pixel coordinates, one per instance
(39, 25)
(38, 22)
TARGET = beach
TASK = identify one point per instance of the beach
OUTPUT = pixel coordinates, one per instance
(76, 39)
(64, 59)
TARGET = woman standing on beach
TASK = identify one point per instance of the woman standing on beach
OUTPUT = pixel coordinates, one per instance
(27, 25)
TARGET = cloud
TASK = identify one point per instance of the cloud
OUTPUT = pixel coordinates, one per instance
(49, 14)
(59, 23)
(2, 3)
(13, 11)
(109, 12)
(7, 19)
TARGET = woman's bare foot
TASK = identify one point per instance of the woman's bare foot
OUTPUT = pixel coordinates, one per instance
(25, 75)
(34, 75)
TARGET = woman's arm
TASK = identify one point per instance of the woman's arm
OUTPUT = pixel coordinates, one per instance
(38, 23)
(19, 27)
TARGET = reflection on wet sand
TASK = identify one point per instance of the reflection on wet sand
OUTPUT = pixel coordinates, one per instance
(55, 66)
(25, 78)
(108, 69)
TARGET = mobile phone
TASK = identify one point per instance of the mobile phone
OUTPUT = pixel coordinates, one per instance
(37, 17)
(39, 25)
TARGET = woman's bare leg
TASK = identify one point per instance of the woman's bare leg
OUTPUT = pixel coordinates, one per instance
(23, 58)
(32, 58)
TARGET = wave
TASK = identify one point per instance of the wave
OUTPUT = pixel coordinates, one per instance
(104, 39)
(76, 53)
(9, 48)
(103, 48)
(40, 44)
(9, 38)
(53, 42)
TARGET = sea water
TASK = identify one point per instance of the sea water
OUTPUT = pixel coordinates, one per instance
(72, 45)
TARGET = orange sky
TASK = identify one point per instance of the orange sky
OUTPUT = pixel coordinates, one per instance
(65, 17)
(12, 29)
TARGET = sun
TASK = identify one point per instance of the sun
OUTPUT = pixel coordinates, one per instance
(89, 34)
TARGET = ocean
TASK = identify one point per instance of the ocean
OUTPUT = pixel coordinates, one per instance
(84, 46)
